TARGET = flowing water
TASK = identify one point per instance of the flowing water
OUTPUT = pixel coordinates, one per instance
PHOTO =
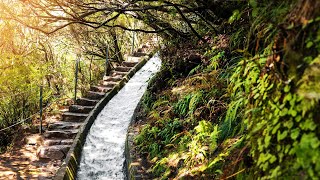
(103, 152)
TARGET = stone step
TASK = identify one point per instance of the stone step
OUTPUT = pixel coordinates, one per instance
(60, 134)
(74, 117)
(129, 64)
(117, 73)
(139, 54)
(112, 78)
(122, 69)
(64, 125)
(95, 95)
(109, 84)
(80, 109)
(86, 102)
(100, 89)
(57, 152)
(52, 142)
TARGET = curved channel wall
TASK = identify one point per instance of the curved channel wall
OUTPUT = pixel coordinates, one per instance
(68, 169)
(131, 166)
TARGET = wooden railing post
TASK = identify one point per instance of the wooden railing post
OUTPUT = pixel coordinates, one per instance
(41, 92)
(76, 79)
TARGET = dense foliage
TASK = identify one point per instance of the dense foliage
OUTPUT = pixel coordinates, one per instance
(249, 109)
(30, 59)
(237, 96)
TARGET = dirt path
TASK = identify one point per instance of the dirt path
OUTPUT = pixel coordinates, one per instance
(21, 162)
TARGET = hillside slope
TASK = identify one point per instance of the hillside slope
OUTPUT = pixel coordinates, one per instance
(243, 105)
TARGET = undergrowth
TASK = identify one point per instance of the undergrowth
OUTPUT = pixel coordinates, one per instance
(250, 109)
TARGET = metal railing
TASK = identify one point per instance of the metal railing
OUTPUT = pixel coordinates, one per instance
(107, 64)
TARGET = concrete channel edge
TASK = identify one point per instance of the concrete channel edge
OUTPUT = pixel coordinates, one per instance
(68, 169)
(132, 170)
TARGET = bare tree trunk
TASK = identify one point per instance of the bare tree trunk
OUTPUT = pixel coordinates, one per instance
(117, 51)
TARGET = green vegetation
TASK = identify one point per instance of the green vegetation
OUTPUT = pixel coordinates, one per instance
(249, 109)
(237, 96)
(30, 59)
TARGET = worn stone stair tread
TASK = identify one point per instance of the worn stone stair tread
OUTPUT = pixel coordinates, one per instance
(109, 84)
(100, 89)
(58, 134)
(116, 73)
(138, 54)
(80, 109)
(112, 78)
(122, 69)
(51, 142)
(95, 95)
(74, 117)
(53, 152)
(63, 125)
(129, 63)
(86, 102)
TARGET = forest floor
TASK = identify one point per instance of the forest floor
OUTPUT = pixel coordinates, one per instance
(20, 161)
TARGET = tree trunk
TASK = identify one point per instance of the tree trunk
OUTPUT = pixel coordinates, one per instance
(117, 51)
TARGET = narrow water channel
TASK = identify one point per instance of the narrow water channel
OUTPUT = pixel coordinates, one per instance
(103, 152)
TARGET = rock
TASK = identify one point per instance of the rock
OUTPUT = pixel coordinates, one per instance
(112, 78)
(95, 95)
(51, 142)
(53, 152)
(109, 84)
(86, 102)
(61, 134)
(122, 69)
(139, 54)
(74, 117)
(129, 64)
(117, 73)
(64, 125)
(80, 109)
(66, 141)
(100, 89)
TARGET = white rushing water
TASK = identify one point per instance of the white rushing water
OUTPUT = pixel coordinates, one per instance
(103, 152)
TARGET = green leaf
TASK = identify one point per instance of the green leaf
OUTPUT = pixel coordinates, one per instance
(293, 113)
(281, 136)
(256, 96)
(288, 97)
(272, 159)
(275, 129)
(298, 118)
(284, 112)
(295, 133)
(253, 3)
(288, 124)
(286, 89)
(308, 125)
(309, 44)
(267, 140)
(291, 26)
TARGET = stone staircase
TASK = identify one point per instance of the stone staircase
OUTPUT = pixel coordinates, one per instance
(58, 137)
